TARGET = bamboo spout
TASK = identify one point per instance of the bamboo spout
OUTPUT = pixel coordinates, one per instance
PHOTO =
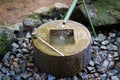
(70, 11)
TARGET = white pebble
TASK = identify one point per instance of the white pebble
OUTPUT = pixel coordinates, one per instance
(91, 63)
(105, 64)
(24, 45)
(28, 35)
(25, 50)
(15, 45)
(112, 34)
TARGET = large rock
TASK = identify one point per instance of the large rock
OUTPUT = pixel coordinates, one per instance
(109, 14)
(9, 32)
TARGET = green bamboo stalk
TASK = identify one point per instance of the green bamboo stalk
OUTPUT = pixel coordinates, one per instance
(70, 10)
(93, 29)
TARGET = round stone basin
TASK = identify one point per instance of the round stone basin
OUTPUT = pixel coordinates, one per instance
(51, 32)
(72, 40)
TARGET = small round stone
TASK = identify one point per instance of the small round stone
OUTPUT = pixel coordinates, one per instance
(15, 64)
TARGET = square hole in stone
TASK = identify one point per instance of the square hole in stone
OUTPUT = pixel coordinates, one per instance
(61, 36)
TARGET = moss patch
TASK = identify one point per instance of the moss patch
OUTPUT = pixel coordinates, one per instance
(5, 45)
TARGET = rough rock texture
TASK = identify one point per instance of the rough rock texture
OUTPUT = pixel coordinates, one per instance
(103, 12)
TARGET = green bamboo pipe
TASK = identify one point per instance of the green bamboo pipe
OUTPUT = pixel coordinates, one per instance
(94, 32)
(69, 12)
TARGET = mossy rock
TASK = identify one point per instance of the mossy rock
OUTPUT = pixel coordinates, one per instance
(5, 44)
(107, 12)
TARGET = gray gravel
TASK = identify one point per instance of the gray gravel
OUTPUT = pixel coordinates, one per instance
(18, 64)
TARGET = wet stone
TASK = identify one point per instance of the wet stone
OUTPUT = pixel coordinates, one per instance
(38, 77)
(27, 55)
(15, 45)
(84, 76)
(24, 45)
(11, 67)
(12, 57)
(112, 47)
(16, 59)
(50, 20)
(51, 77)
(5, 70)
(91, 63)
(43, 76)
(1, 75)
(30, 64)
(98, 78)
(116, 54)
(26, 75)
(44, 20)
(75, 78)
(104, 76)
(116, 43)
(112, 40)
(95, 48)
(24, 58)
(31, 78)
(17, 71)
(31, 69)
(103, 47)
(5, 77)
(104, 54)
(19, 55)
(110, 57)
(112, 34)
(37, 22)
(15, 50)
(96, 43)
(19, 50)
(91, 76)
(31, 58)
(116, 58)
(22, 61)
(20, 42)
(28, 35)
(28, 22)
(16, 64)
(100, 37)
(113, 72)
(98, 60)
(6, 63)
(18, 77)
(12, 73)
(91, 50)
(96, 74)
(114, 78)
(111, 64)
(25, 50)
(105, 64)
(118, 75)
(23, 68)
(101, 69)
(105, 42)
(118, 39)
(6, 56)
